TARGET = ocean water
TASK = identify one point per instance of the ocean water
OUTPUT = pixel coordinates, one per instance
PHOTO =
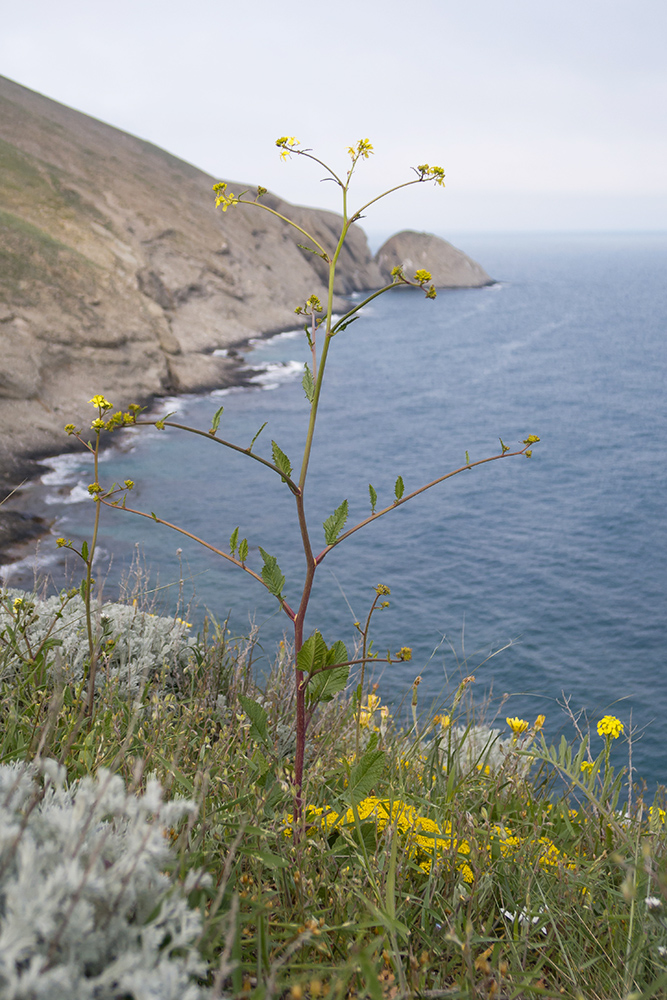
(561, 557)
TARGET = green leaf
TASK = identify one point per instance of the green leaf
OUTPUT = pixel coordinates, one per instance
(84, 550)
(344, 325)
(374, 498)
(267, 857)
(258, 717)
(215, 423)
(307, 383)
(313, 653)
(335, 523)
(233, 540)
(365, 775)
(399, 488)
(271, 575)
(329, 682)
(257, 435)
(281, 460)
(467, 459)
(154, 516)
(243, 549)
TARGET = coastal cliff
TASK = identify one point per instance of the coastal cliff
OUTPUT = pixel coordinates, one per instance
(118, 275)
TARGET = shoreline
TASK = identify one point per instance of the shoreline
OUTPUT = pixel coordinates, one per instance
(22, 526)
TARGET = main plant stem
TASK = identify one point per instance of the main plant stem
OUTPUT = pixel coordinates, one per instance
(311, 564)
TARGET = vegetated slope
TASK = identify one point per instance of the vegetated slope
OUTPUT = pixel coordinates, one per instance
(117, 274)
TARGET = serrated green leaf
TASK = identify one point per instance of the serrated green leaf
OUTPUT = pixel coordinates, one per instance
(257, 435)
(281, 460)
(215, 423)
(467, 459)
(258, 717)
(335, 523)
(243, 549)
(374, 498)
(271, 575)
(365, 775)
(313, 653)
(325, 685)
(84, 550)
(233, 540)
(399, 488)
(307, 383)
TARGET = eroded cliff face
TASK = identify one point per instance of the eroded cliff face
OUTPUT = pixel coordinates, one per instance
(118, 275)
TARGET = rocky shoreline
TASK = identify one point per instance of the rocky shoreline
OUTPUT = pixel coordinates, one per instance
(119, 276)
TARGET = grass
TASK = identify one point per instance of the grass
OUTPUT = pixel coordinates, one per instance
(440, 862)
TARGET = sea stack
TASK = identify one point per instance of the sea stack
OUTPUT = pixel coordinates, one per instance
(449, 267)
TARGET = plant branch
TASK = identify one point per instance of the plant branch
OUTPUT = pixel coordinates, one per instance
(237, 562)
(284, 218)
(227, 444)
(422, 489)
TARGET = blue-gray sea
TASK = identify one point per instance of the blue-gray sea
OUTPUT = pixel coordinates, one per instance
(563, 555)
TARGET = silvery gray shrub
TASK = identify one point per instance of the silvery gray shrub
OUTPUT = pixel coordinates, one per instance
(133, 643)
(86, 909)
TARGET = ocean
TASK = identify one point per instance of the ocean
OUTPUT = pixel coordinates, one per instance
(560, 558)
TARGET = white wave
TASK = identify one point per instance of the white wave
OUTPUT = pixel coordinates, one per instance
(77, 494)
(37, 562)
(271, 375)
(64, 468)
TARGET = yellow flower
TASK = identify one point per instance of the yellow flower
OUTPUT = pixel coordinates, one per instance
(422, 275)
(363, 148)
(587, 766)
(609, 725)
(100, 401)
(539, 722)
(18, 603)
(284, 143)
(373, 702)
(517, 725)
(97, 424)
(444, 720)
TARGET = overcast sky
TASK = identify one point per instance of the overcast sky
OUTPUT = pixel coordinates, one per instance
(544, 115)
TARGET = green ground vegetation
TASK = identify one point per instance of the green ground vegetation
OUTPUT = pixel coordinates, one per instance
(437, 858)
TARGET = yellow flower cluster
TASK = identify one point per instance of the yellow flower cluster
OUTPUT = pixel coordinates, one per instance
(425, 840)
(363, 148)
(609, 725)
(367, 712)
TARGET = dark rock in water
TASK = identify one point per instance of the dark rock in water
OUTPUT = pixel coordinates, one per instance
(449, 267)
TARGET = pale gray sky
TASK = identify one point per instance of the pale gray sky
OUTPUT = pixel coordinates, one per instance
(544, 115)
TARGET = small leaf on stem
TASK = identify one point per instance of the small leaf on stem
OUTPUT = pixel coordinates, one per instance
(243, 549)
(281, 460)
(215, 423)
(335, 523)
(374, 498)
(399, 488)
(233, 540)
(257, 435)
(307, 383)
(271, 575)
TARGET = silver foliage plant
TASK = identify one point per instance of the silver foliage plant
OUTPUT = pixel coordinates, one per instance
(86, 909)
(133, 643)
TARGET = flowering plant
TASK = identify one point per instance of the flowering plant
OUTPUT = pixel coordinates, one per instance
(320, 671)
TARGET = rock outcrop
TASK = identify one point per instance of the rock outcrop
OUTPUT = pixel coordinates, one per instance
(119, 276)
(449, 267)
